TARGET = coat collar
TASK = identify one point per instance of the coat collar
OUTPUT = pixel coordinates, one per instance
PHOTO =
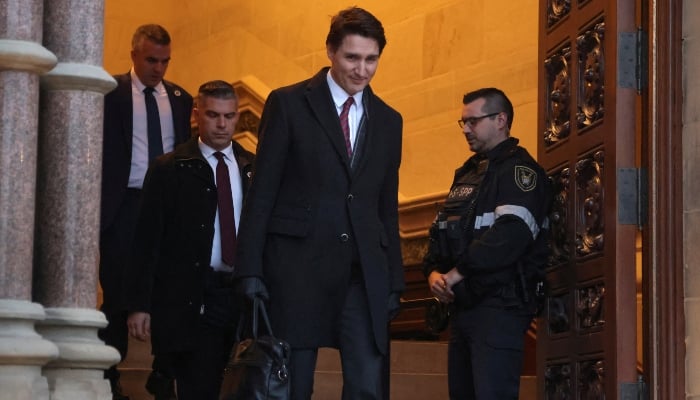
(321, 102)
(189, 151)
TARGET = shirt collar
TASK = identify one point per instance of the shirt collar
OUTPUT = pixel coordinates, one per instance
(208, 152)
(135, 81)
(339, 95)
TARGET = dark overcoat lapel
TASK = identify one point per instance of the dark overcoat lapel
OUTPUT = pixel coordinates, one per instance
(321, 103)
(179, 110)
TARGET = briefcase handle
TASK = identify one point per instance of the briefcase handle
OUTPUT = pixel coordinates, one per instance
(258, 308)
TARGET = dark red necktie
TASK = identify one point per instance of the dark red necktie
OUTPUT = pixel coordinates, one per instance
(345, 125)
(227, 222)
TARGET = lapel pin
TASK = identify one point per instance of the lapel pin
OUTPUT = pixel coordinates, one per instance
(177, 92)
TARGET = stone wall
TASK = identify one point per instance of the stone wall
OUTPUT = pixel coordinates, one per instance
(437, 50)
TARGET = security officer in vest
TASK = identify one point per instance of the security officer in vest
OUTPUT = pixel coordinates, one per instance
(487, 251)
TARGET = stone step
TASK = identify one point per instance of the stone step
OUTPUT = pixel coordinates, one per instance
(418, 372)
(135, 369)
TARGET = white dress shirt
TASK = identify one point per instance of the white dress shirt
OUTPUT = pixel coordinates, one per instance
(356, 110)
(139, 146)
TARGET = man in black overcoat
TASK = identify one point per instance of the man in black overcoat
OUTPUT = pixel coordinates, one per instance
(319, 231)
(179, 289)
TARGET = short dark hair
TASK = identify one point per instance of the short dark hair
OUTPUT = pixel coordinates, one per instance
(153, 32)
(355, 21)
(218, 89)
(495, 101)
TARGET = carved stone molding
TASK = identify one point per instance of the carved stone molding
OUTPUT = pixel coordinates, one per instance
(591, 75)
(590, 221)
(416, 214)
(248, 122)
(558, 96)
(413, 250)
(251, 100)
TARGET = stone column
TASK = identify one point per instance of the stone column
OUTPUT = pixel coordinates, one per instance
(22, 59)
(68, 199)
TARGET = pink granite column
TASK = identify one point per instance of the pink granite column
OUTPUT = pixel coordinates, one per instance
(22, 59)
(68, 199)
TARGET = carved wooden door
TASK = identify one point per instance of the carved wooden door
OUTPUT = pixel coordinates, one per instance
(587, 122)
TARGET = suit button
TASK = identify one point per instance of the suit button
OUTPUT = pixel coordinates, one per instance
(196, 264)
(350, 197)
(344, 237)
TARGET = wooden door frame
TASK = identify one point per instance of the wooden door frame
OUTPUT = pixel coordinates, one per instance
(663, 299)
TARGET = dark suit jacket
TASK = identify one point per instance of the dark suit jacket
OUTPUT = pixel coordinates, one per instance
(307, 205)
(118, 135)
(172, 246)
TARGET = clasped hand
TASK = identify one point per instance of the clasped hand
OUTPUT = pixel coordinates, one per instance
(441, 284)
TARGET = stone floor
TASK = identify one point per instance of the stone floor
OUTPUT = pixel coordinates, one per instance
(419, 372)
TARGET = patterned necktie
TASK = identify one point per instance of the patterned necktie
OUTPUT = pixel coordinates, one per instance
(345, 125)
(227, 223)
(155, 140)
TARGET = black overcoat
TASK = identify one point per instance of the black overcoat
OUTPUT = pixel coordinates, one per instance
(173, 243)
(307, 204)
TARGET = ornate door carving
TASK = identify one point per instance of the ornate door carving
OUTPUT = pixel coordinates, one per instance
(587, 121)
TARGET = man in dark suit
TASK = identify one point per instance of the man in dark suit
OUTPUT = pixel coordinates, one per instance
(179, 289)
(128, 149)
(319, 231)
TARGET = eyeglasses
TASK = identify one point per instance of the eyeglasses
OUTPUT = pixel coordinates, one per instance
(472, 121)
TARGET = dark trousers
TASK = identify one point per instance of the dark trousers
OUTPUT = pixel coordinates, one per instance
(485, 352)
(361, 361)
(199, 371)
(115, 250)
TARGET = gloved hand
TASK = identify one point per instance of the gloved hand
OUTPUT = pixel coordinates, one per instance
(394, 304)
(251, 287)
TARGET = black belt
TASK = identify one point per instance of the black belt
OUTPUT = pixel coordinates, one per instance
(216, 278)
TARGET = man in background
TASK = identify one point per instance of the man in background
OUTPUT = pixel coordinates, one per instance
(144, 116)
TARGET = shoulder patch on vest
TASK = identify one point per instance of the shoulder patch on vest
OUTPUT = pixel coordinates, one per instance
(525, 178)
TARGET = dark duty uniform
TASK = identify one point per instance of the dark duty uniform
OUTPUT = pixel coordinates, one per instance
(493, 230)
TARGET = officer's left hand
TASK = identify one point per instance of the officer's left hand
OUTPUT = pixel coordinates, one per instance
(440, 288)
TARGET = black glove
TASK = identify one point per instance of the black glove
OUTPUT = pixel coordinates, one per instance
(251, 287)
(394, 304)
